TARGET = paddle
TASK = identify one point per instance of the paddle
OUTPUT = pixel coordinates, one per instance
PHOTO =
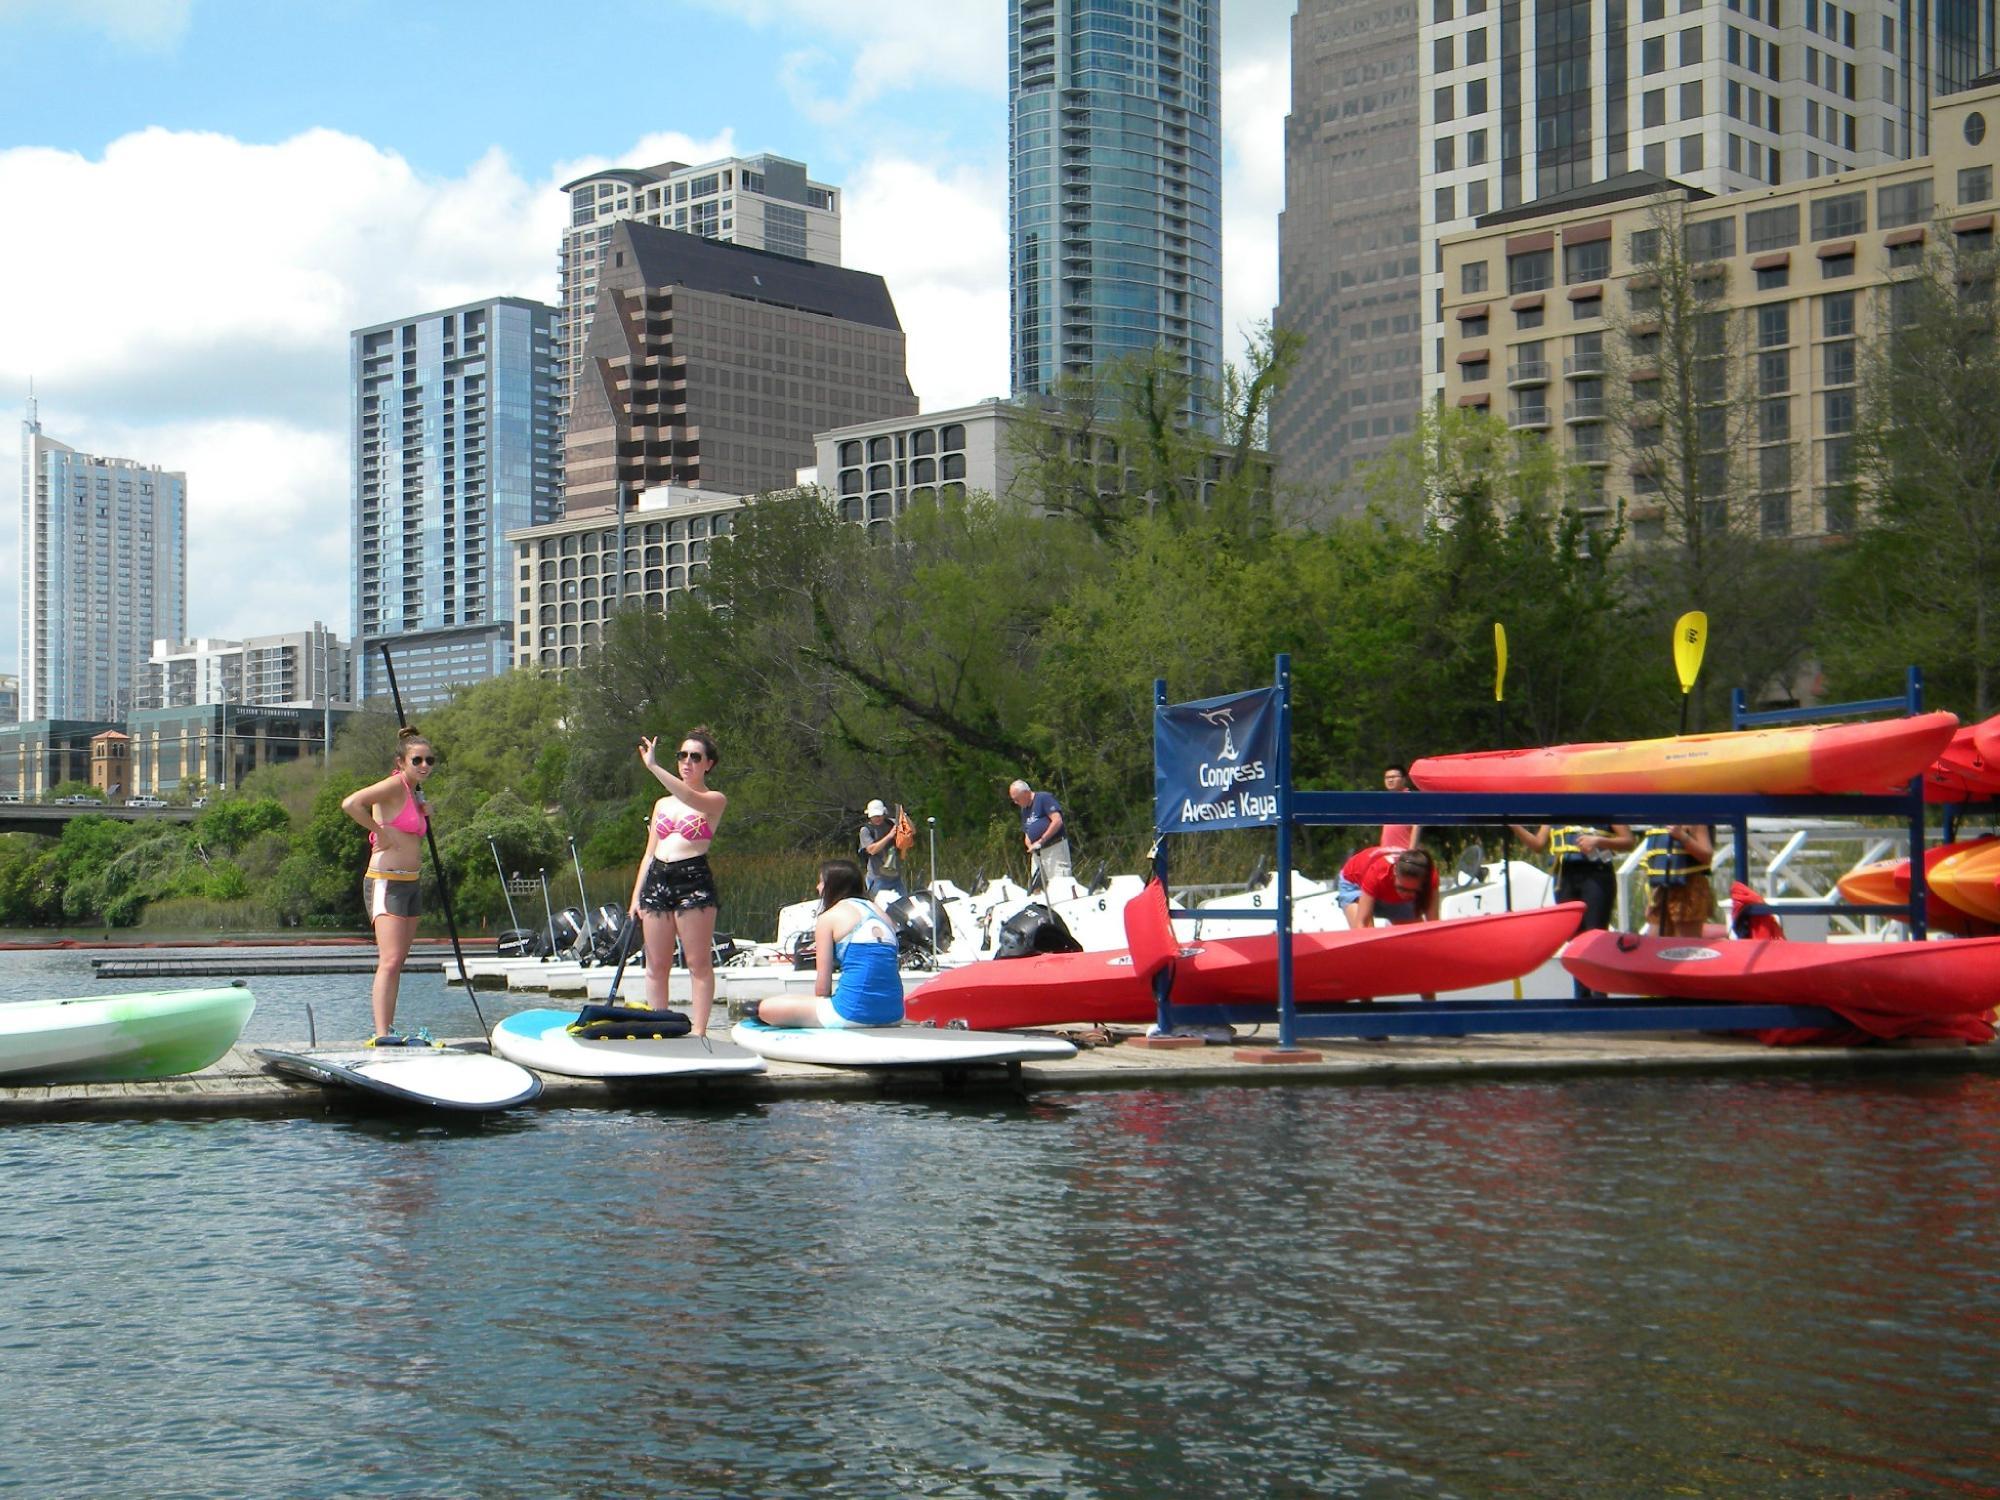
(1690, 641)
(1499, 729)
(437, 868)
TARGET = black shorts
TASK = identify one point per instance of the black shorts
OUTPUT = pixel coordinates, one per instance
(391, 895)
(679, 885)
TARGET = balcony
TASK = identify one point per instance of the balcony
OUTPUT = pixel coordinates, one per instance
(1583, 409)
(1528, 372)
(1524, 418)
(1584, 364)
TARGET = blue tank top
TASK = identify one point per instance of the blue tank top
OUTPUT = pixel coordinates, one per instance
(869, 991)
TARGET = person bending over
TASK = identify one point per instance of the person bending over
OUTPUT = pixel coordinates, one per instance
(673, 895)
(869, 991)
(1397, 885)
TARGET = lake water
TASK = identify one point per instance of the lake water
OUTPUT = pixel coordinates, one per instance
(1608, 1286)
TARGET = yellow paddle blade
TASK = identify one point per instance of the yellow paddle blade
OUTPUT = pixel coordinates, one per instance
(1690, 640)
(1499, 660)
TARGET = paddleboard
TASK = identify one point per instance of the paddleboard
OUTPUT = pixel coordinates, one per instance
(437, 1077)
(902, 1046)
(540, 1039)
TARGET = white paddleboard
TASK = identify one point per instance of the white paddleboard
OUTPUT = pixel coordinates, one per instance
(903, 1046)
(540, 1039)
(440, 1077)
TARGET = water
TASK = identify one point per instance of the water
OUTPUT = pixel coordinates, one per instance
(1617, 1286)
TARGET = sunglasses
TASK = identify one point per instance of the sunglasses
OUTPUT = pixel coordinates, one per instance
(690, 755)
(423, 760)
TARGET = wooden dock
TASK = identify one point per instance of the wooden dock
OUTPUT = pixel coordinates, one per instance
(241, 1085)
(207, 963)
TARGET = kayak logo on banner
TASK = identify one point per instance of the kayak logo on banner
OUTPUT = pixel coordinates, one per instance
(1215, 763)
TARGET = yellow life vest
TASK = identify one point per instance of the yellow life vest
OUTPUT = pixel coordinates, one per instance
(1666, 860)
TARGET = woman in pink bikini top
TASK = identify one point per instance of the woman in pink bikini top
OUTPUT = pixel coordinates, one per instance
(673, 895)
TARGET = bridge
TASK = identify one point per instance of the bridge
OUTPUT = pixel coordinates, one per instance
(49, 819)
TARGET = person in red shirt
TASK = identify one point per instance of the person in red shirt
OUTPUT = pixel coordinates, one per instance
(1398, 885)
(1398, 835)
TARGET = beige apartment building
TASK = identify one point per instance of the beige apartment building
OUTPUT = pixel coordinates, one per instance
(1544, 307)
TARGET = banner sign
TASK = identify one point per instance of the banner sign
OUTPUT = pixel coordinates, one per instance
(1215, 763)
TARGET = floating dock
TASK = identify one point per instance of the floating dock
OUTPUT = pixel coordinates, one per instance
(207, 964)
(241, 1085)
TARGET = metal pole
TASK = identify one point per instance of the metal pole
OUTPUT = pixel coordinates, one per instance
(937, 902)
(1163, 982)
(549, 915)
(1287, 1018)
(505, 894)
(582, 895)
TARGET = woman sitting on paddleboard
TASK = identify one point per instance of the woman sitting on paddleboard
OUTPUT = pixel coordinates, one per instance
(674, 892)
(870, 992)
(393, 812)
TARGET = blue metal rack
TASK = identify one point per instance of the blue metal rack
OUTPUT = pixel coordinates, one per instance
(1433, 809)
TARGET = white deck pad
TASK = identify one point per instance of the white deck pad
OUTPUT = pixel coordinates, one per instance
(540, 1039)
(902, 1046)
(441, 1077)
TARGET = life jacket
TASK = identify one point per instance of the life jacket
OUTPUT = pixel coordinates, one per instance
(1666, 862)
(1563, 845)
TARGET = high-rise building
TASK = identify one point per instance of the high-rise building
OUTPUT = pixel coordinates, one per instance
(711, 366)
(765, 202)
(1723, 95)
(301, 669)
(454, 446)
(1114, 185)
(103, 575)
(1348, 268)
(1550, 304)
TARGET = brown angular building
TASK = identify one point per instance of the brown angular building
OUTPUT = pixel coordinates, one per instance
(711, 366)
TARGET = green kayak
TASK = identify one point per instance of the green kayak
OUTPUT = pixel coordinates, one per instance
(114, 1038)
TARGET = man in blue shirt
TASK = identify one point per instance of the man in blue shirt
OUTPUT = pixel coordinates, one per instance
(1043, 832)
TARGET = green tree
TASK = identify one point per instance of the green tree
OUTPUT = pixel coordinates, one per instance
(1920, 583)
(235, 821)
(501, 733)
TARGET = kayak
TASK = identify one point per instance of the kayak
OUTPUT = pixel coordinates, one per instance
(1358, 964)
(1887, 882)
(1796, 760)
(1969, 878)
(1885, 988)
(116, 1038)
(1964, 771)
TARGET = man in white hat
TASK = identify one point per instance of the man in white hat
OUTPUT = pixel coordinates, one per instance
(879, 853)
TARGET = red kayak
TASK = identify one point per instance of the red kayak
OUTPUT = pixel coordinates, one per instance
(1418, 958)
(1800, 760)
(1887, 989)
(1964, 770)
(1888, 882)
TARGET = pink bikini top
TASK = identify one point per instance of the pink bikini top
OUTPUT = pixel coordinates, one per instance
(691, 826)
(410, 818)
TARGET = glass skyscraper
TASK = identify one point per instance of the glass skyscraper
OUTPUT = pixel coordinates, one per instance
(453, 433)
(1115, 185)
(103, 575)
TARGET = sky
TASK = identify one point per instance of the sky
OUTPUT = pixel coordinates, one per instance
(200, 199)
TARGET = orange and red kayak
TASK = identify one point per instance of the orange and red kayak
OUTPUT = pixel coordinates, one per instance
(1792, 760)
(1888, 882)
(1362, 964)
(1969, 878)
(1966, 769)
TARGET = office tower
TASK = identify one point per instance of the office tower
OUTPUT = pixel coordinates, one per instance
(103, 575)
(711, 366)
(1547, 306)
(301, 669)
(1349, 277)
(1522, 105)
(765, 202)
(1114, 185)
(454, 445)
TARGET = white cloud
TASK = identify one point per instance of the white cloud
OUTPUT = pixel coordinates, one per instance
(891, 46)
(939, 237)
(151, 25)
(1255, 97)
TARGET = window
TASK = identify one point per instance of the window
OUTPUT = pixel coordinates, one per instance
(1653, 55)
(1903, 203)
(1839, 362)
(1902, 257)
(1475, 47)
(1475, 149)
(1441, 54)
(1843, 214)
(1531, 271)
(1832, 267)
(1445, 150)
(1691, 100)
(1771, 228)
(1838, 506)
(1472, 276)
(1774, 374)
(1528, 317)
(1774, 420)
(1440, 10)
(1691, 153)
(1653, 10)
(1711, 239)
(1442, 209)
(1775, 514)
(1774, 278)
(1441, 104)
(1654, 158)
(1774, 468)
(1691, 46)
(1475, 199)
(1839, 412)
(1586, 262)
(1475, 97)
(1473, 371)
(1774, 325)
(1653, 107)
(1474, 328)
(1975, 184)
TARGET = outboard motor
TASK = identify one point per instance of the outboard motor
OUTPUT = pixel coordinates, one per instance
(519, 942)
(570, 934)
(1034, 929)
(616, 939)
(922, 926)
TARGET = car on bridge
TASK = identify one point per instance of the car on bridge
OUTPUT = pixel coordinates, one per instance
(77, 799)
(145, 801)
